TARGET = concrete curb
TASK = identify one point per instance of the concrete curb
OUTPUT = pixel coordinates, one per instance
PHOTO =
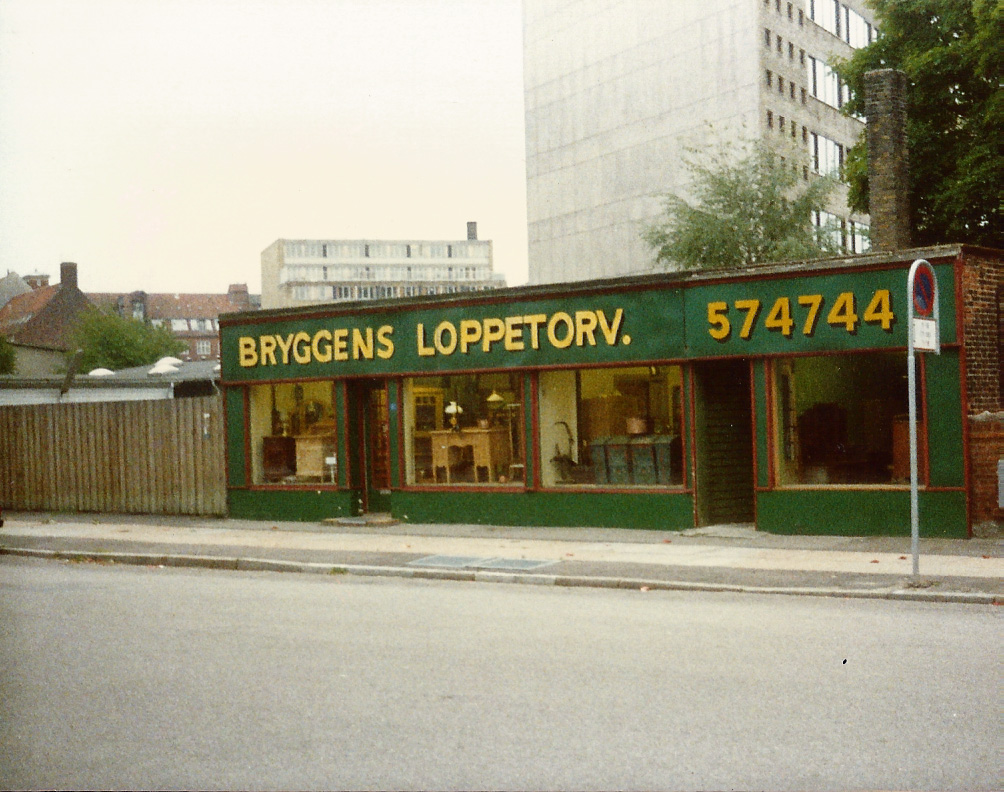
(482, 576)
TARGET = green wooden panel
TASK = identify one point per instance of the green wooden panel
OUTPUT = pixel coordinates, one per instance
(344, 456)
(394, 420)
(528, 384)
(234, 411)
(615, 510)
(565, 329)
(298, 505)
(760, 397)
(572, 328)
(944, 419)
(688, 467)
(713, 309)
(860, 513)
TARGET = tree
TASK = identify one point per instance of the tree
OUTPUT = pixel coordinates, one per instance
(751, 207)
(111, 341)
(8, 356)
(950, 51)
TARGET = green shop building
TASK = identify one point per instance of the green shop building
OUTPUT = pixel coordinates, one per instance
(776, 396)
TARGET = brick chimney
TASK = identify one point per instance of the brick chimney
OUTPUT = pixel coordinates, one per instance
(68, 274)
(238, 295)
(888, 161)
(472, 231)
(36, 281)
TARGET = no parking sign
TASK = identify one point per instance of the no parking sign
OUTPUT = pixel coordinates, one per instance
(922, 285)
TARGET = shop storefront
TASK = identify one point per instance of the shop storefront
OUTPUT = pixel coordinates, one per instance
(778, 397)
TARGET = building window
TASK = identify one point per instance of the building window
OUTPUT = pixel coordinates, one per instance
(791, 51)
(464, 429)
(858, 237)
(841, 419)
(770, 119)
(612, 427)
(766, 37)
(791, 89)
(780, 124)
(780, 45)
(179, 325)
(770, 78)
(790, 11)
(827, 156)
(293, 434)
(829, 228)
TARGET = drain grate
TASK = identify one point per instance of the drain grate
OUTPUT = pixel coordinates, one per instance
(473, 562)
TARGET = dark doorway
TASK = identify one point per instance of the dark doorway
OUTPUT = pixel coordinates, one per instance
(724, 442)
(373, 435)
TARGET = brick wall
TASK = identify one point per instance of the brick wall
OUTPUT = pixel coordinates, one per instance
(986, 446)
(982, 291)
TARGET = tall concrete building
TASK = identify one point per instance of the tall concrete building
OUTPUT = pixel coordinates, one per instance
(616, 91)
(303, 271)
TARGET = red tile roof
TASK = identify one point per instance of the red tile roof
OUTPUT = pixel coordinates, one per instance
(178, 306)
(44, 317)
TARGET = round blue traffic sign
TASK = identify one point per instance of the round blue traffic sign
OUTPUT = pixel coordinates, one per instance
(923, 291)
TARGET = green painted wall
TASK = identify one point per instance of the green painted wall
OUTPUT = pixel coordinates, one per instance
(718, 330)
(944, 419)
(762, 439)
(299, 505)
(613, 510)
(657, 322)
(860, 513)
(234, 412)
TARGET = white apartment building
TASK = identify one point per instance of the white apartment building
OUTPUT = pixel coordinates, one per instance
(302, 271)
(617, 91)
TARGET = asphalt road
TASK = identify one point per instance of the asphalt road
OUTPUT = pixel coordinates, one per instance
(132, 677)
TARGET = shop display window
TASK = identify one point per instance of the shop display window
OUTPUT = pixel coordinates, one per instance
(612, 427)
(293, 434)
(464, 429)
(842, 420)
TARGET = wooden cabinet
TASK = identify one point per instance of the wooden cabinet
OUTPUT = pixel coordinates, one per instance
(278, 457)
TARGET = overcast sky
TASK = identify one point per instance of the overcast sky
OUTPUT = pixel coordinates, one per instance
(163, 144)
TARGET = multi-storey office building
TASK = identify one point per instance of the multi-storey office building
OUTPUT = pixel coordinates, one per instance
(302, 271)
(617, 91)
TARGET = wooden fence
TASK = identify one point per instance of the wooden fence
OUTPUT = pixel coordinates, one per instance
(139, 457)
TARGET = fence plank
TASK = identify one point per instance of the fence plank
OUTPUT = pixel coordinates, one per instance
(130, 457)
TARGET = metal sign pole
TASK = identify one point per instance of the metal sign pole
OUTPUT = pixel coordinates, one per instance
(911, 378)
(923, 293)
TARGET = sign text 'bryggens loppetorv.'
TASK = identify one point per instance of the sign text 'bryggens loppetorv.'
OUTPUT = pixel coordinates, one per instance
(559, 330)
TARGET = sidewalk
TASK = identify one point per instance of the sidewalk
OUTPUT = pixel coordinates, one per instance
(720, 558)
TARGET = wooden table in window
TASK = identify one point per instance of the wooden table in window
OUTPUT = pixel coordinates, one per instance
(489, 450)
(311, 452)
